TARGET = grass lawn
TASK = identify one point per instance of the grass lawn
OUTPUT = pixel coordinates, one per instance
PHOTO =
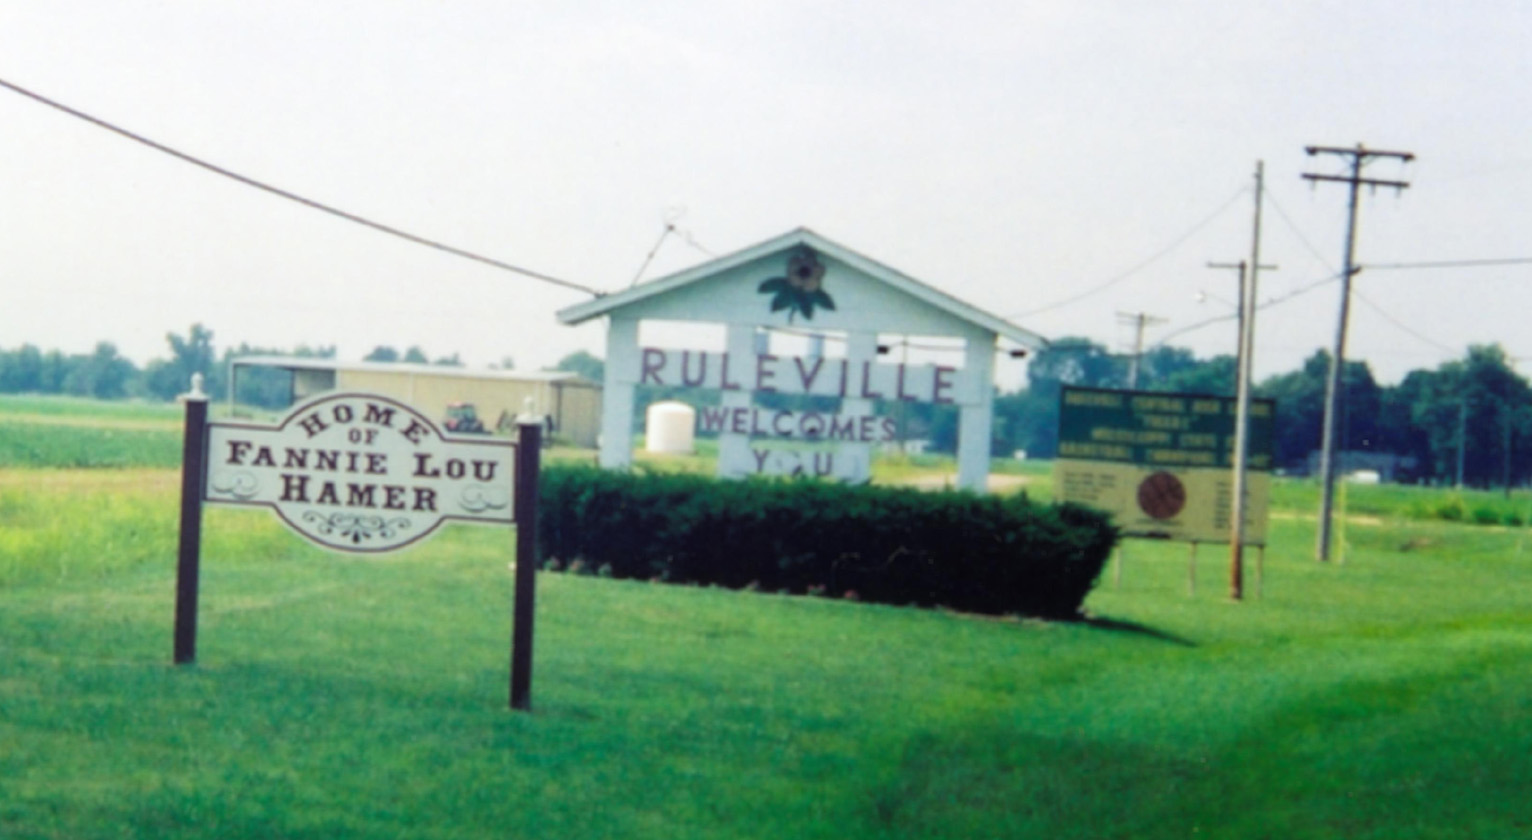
(1386, 697)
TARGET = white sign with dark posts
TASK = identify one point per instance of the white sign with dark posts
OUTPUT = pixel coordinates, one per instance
(360, 473)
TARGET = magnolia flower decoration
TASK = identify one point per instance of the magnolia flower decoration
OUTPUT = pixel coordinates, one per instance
(802, 289)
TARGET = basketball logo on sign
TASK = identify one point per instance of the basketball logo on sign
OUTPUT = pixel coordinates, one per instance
(1161, 495)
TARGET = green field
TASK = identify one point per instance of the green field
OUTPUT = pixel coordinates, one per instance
(64, 432)
(1389, 696)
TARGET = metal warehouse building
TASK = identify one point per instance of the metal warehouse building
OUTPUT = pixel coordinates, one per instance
(572, 404)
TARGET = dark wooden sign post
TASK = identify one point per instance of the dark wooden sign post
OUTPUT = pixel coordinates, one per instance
(189, 553)
(360, 473)
(527, 468)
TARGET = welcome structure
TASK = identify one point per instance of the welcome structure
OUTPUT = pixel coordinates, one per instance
(812, 291)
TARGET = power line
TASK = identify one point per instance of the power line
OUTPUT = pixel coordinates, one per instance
(1469, 263)
(1275, 205)
(1137, 268)
(672, 216)
(1450, 263)
(1400, 324)
(670, 228)
(1270, 302)
(691, 240)
(1207, 322)
(903, 343)
(307, 202)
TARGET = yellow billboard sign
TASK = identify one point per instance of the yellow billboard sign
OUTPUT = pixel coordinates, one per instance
(1162, 464)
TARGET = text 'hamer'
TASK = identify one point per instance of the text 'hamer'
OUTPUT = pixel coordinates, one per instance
(312, 474)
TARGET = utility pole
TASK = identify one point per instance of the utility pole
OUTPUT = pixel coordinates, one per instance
(1360, 156)
(1240, 268)
(1137, 320)
(1243, 365)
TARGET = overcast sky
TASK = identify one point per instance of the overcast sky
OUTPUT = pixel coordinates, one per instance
(1013, 154)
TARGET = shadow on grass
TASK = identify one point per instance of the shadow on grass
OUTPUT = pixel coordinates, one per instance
(1116, 626)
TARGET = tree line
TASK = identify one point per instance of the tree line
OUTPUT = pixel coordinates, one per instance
(1469, 420)
(106, 374)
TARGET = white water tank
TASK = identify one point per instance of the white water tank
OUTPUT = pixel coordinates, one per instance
(670, 427)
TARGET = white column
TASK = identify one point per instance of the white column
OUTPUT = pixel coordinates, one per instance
(855, 459)
(617, 393)
(976, 420)
(734, 458)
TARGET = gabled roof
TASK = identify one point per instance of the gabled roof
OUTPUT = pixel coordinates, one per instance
(928, 295)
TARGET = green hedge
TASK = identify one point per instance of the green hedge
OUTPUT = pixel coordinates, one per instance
(959, 550)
